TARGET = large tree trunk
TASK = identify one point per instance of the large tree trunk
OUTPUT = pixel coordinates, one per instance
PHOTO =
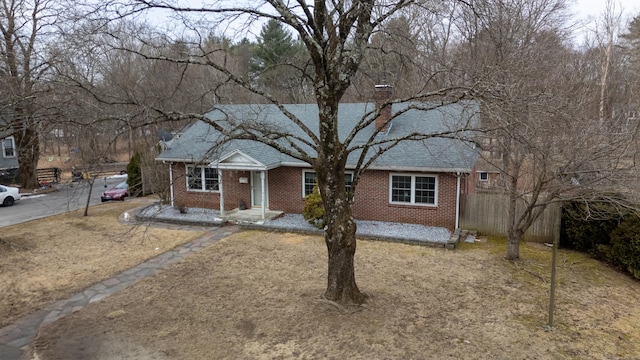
(340, 237)
(340, 232)
(514, 234)
(513, 243)
(28, 152)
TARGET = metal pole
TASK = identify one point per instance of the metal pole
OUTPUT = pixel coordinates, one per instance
(221, 192)
(458, 201)
(262, 175)
(171, 184)
(554, 262)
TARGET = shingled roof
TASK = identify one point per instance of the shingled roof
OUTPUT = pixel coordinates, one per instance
(200, 142)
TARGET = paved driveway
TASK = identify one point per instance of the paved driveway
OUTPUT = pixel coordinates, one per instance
(68, 197)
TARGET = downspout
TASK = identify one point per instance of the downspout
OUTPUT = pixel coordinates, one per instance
(263, 192)
(458, 175)
(171, 184)
(221, 193)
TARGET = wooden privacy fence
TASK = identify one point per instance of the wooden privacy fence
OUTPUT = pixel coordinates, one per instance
(486, 212)
(48, 175)
(102, 170)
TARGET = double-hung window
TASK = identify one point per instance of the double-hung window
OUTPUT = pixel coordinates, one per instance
(8, 147)
(413, 189)
(202, 178)
(309, 181)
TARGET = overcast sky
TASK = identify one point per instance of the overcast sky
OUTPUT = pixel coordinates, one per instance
(585, 10)
(595, 7)
(589, 10)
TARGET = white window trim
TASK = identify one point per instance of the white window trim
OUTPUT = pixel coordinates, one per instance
(13, 142)
(413, 189)
(312, 171)
(304, 173)
(480, 175)
(202, 179)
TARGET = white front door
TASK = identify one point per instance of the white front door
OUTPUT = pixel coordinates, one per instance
(256, 189)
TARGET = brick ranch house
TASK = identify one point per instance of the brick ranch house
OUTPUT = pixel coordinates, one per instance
(417, 182)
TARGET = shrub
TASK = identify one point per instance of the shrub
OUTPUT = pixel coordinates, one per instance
(625, 245)
(182, 208)
(610, 236)
(134, 175)
(591, 235)
(314, 209)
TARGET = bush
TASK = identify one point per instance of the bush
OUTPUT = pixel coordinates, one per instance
(625, 245)
(314, 209)
(611, 236)
(588, 234)
(134, 175)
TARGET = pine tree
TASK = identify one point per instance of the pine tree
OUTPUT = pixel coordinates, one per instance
(277, 62)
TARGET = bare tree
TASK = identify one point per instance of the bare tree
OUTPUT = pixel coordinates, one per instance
(538, 110)
(26, 27)
(336, 37)
(99, 85)
(606, 33)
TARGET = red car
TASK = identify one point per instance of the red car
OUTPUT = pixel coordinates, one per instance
(118, 192)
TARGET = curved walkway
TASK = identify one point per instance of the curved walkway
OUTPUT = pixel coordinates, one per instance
(16, 338)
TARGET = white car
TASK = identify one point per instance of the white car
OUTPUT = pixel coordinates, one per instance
(9, 195)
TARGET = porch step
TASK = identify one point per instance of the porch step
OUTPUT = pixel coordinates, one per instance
(457, 236)
(250, 216)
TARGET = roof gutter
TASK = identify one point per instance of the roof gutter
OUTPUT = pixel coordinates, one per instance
(190, 160)
(421, 169)
(392, 168)
(461, 170)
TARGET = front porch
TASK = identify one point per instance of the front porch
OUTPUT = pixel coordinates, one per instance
(248, 181)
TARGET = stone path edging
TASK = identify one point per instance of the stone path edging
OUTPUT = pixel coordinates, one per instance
(450, 244)
(17, 337)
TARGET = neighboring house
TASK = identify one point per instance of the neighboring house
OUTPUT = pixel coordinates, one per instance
(488, 175)
(8, 159)
(415, 182)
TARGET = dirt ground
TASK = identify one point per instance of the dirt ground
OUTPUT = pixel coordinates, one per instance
(256, 295)
(46, 260)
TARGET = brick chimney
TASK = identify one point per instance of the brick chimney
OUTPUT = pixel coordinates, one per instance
(383, 94)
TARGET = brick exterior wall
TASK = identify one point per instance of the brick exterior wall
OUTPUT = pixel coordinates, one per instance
(371, 197)
(285, 190)
(234, 191)
(372, 202)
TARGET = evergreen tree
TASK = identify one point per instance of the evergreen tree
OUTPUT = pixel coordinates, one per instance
(134, 175)
(278, 61)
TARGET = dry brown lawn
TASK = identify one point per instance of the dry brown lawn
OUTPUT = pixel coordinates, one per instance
(46, 260)
(256, 295)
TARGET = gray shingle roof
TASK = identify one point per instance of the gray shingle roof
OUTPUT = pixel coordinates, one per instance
(434, 154)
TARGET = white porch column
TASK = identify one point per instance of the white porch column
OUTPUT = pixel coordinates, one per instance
(458, 201)
(171, 184)
(262, 201)
(221, 193)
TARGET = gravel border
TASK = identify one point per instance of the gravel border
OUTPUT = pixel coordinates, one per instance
(193, 216)
(374, 230)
